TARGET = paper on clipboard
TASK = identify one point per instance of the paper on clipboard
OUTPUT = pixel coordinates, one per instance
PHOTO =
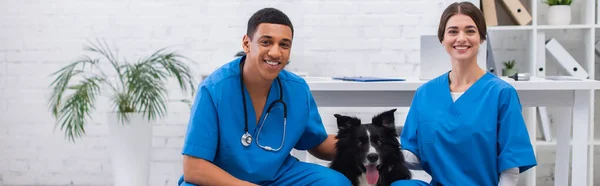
(366, 78)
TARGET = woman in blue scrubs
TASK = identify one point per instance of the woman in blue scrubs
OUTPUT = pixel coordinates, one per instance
(465, 127)
(250, 113)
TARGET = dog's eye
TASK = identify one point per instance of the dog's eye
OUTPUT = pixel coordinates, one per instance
(379, 142)
(359, 143)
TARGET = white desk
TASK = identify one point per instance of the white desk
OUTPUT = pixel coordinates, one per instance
(534, 93)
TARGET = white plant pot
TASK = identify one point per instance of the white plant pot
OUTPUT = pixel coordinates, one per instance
(559, 15)
(130, 150)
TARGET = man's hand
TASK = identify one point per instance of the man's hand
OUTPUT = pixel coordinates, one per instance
(201, 172)
(326, 150)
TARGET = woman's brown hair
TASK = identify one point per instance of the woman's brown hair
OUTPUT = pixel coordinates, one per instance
(466, 8)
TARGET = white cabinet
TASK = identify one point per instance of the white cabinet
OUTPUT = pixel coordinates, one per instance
(579, 39)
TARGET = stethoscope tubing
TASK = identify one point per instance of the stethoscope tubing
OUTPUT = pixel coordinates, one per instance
(246, 137)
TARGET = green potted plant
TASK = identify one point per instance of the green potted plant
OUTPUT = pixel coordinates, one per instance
(559, 12)
(136, 91)
(509, 68)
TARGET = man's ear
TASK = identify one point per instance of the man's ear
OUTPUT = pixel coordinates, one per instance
(385, 119)
(246, 43)
(346, 122)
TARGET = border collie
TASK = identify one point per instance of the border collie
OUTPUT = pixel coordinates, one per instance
(369, 154)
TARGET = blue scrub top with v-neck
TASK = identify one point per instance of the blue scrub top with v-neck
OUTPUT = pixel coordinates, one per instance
(217, 124)
(470, 141)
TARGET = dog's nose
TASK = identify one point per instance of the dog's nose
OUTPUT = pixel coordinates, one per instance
(372, 157)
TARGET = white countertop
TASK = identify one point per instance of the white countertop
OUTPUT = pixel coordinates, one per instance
(411, 84)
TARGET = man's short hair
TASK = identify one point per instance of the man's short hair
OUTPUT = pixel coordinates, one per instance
(267, 15)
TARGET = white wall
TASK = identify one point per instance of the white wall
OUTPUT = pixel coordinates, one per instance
(37, 38)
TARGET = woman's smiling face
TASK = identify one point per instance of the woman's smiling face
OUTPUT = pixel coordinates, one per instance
(461, 38)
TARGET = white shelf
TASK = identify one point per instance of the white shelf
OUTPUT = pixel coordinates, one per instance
(535, 83)
(585, 18)
(541, 27)
(559, 27)
(510, 27)
(553, 143)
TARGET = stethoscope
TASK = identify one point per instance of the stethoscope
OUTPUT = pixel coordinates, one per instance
(246, 137)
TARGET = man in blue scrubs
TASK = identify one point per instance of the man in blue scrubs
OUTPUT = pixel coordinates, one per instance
(234, 100)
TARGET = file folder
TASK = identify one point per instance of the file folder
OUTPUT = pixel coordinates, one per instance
(489, 12)
(517, 11)
(565, 59)
(366, 78)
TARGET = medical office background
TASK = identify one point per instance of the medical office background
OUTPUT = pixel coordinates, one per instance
(332, 38)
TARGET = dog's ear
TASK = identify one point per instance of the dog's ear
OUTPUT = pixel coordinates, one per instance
(385, 119)
(346, 122)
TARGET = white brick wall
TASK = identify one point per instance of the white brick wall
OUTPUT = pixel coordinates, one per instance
(37, 37)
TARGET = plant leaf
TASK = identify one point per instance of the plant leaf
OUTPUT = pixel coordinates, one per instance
(172, 64)
(147, 90)
(103, 49)
(123, 104)
(61, 82)
(77, 107)
(557, 2)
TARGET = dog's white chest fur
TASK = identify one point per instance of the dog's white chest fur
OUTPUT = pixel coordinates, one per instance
(362, 181)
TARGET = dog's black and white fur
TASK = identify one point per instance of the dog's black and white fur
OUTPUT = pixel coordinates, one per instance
(373, 146)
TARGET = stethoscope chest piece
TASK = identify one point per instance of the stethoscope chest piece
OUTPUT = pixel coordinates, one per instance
(246, 139)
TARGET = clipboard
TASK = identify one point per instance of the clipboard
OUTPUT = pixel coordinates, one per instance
(366, 78)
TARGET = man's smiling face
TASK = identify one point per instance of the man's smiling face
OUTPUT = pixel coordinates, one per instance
(268, 49)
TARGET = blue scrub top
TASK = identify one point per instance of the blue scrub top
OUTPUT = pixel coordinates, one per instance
(217, 122)
(470, 141)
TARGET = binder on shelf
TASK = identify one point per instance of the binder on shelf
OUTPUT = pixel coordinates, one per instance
(490, 62)
(597, 48)
(565, 59)
(517, 11)
(489, 12)
(545, 123)
(541, 54)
